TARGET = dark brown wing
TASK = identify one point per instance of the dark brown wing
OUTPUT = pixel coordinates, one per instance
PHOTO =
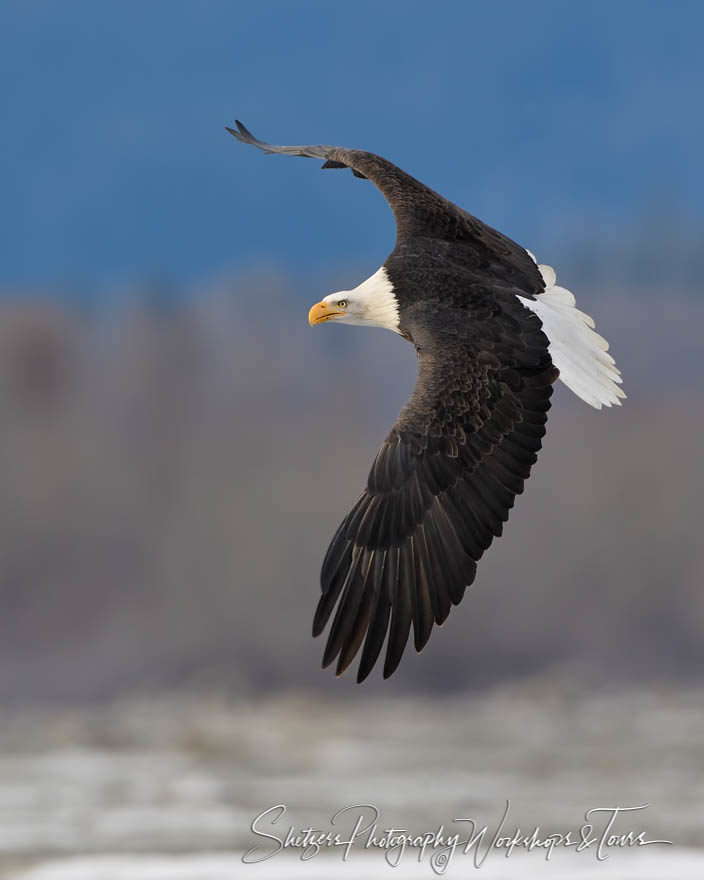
(417, 208)
(442, 484)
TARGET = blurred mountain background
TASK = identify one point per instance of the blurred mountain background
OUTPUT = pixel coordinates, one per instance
(177, 446)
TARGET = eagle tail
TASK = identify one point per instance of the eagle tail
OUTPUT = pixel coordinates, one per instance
(579, 353)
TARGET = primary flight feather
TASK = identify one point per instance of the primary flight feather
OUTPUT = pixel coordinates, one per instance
(492, 332)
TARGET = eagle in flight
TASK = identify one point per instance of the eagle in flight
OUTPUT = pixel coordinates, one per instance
(493, 332)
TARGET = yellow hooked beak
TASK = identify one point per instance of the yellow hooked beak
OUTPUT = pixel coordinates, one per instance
(322, 311)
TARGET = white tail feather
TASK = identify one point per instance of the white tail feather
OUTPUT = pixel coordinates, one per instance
(578, 352)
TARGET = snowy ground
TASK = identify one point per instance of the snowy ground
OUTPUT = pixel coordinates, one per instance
(167, 790)
(225, 866)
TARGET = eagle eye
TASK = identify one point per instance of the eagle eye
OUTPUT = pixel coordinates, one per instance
(342, 303)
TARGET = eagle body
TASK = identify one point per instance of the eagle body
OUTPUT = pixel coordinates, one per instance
(492, 332)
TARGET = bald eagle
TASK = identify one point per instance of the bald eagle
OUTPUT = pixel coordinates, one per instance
(493, 332)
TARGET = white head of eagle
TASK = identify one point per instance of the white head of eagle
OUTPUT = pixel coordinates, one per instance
(371, 304)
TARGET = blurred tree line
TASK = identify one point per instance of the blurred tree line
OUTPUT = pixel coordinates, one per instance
(171, 474)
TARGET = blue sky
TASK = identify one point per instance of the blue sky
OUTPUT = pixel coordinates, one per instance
(555, 121)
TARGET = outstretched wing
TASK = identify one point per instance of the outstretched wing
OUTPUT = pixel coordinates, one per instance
(420, 211)
(442, 484)
(417, 208)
